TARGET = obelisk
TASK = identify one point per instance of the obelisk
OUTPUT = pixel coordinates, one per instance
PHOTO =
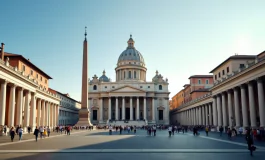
(84, 114)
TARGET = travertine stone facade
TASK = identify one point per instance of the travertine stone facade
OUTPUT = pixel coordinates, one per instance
(130, 97)
(23, 100)
(236, 99)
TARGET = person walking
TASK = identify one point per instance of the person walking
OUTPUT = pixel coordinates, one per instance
(48, 131)
(110, 130)
(221, 129)
(250, 143)
(41, 130)
(154, 130)
(5, 129)
(36, 133)
(206, 130)
(12, 134)
(20, 132)
(169, 130)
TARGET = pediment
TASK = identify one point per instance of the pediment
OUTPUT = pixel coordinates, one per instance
(127, 89)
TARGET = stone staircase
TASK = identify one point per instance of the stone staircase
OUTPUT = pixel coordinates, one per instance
(127, 123)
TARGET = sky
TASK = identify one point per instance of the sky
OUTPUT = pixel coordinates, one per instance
(177, 38)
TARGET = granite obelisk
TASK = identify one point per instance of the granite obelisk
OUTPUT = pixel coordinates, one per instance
(84, 113)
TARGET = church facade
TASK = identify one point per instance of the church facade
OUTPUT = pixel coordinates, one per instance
(130, 100)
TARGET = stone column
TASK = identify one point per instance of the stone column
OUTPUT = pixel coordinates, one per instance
(116, 110)
(237, 113)
(153, 109)
(131, 109)
(137, 109)
(19, 106)
(252, 106)
(203, 115)
(33, 111)
(39, 113)
(230, 109)
(101, 109)
(109, 108)
(219, 111)
(123, 108)
(206, 108)
(214, 112)
(26, 110)
(51, 115)
(210, 114)
(3, 102)
(261, 103)
(47, 113)
(55, 115)
(12, 106)
(145, 108)
(192, 116)
(224, 110)
(244, 106)
(43, 113)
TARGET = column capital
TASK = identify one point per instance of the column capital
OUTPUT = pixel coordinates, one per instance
(242, 86)
(259, 80)
(3, 81)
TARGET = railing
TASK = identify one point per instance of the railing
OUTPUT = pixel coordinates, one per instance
(234, 73)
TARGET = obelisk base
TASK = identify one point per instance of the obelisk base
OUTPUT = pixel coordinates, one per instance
(84, 118)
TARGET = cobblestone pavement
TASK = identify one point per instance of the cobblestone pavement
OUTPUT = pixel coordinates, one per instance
(99, 145)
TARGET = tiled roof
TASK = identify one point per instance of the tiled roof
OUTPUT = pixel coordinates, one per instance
(235, 57)
(28, 62)
(201, 76)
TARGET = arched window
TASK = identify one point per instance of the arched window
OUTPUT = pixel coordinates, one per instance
(135, 74)
(95, 87)
(130, 74)
(160, 87)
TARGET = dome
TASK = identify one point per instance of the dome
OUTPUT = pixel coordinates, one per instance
(104, 78)
(131, 54)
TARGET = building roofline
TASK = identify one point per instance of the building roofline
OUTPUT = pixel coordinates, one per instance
(234, 57)
(202, 90)
(28, 62)
(64, 95)
(261, 53)
(201, 76)
(186, 85)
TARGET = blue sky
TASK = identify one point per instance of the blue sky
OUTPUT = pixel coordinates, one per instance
(177, 38)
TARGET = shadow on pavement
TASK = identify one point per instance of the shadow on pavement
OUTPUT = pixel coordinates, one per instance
(129, 141)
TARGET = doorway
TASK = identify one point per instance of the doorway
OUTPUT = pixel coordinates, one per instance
(127, 113)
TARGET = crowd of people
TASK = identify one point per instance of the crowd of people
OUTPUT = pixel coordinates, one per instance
(42, 131)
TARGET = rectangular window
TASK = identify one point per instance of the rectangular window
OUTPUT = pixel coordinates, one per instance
(199, 81)
(31, 72)
(24, 68)
(37, 75)
(160, 115)
(207, 81)
(227, 69)
(46, 81)
(219, 74)
(215, 77)
(242, 66)
(40, 78)
(223, 72)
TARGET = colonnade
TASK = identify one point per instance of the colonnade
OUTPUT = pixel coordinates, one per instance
(135, 105)
(20, 106)
(241, 106)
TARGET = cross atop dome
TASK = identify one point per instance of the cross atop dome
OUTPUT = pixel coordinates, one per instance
(130, 42)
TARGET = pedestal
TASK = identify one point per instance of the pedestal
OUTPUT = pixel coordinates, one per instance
(84, 118)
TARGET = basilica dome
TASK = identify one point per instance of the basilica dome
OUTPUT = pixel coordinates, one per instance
(131, 65)
(131, 55)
